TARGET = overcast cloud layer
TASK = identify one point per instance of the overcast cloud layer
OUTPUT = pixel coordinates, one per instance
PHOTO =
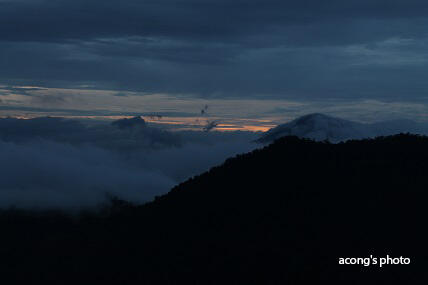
(284, 49)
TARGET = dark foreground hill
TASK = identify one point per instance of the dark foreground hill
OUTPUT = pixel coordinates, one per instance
(284, 214)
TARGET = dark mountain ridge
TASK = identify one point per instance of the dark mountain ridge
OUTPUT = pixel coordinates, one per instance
(283, 214)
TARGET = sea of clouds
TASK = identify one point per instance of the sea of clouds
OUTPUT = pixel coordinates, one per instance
(60, 163)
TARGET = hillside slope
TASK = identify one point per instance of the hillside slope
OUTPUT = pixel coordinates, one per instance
(283, 214)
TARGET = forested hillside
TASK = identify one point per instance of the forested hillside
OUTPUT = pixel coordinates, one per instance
(283, 214)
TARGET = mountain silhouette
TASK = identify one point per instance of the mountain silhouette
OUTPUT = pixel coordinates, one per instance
(283, 214)
(322, 127)
(129, 123)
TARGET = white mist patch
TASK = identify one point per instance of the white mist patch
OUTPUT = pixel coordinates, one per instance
(47, 174)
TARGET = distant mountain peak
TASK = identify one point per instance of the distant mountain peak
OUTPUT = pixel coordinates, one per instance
(314, 116)
(321, 127)
(315, 126)
(125, 123)
(318, 118)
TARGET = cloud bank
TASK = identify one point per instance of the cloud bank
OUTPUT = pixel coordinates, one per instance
(284, 49)
(51, 162)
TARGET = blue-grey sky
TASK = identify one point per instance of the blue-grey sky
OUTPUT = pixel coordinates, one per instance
(307, 50)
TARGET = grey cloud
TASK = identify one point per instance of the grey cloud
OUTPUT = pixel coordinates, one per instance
(76, 112)
(309, 72)
(58, 20)
(215, 48)
(51, 162)
(109, 136)
(28, 91)
(45, 174)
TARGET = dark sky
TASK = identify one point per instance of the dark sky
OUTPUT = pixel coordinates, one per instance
(306, 49)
